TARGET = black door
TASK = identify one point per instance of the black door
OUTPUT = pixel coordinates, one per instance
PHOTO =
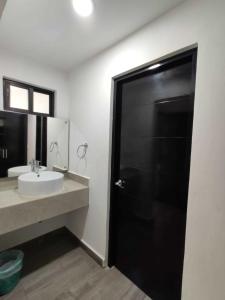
(13, 141)
(150, 174)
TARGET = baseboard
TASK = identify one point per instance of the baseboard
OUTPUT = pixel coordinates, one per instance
(92, 253)
(89, 250)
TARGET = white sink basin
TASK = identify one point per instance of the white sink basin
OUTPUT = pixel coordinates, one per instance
(46, 183)
(17, 171)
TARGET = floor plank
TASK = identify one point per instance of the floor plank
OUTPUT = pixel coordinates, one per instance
(73, 276)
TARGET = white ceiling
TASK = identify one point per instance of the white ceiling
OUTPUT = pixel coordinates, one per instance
(49, 31)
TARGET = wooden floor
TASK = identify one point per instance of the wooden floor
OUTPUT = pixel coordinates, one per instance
(75, 276)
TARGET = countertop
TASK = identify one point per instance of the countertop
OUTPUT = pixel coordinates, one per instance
(9, 195)
(17, 211)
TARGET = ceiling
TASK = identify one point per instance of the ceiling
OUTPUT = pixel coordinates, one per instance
(50, 32)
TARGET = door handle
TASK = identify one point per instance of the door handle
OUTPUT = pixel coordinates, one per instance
(120, 183)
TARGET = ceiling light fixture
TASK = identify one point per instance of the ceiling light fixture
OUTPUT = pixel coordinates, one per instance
(84, 8)
(154, 66)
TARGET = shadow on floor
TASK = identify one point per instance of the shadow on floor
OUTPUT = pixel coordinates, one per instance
(47, 248)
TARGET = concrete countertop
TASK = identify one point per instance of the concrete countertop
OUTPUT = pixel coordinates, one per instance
(17, 211)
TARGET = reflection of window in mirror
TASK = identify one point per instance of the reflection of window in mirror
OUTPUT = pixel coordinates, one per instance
(22, 97)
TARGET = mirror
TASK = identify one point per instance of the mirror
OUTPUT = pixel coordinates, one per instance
(25, 137)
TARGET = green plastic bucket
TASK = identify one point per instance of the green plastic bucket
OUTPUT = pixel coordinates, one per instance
(11, 263)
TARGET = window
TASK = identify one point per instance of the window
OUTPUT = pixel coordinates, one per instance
(23, 97)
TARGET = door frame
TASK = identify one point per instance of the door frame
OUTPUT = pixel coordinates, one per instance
(115, 132)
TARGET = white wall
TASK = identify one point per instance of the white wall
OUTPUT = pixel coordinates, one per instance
(194, 21)
(22, 69)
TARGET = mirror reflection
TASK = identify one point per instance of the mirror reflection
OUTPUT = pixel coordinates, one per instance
(30, 141)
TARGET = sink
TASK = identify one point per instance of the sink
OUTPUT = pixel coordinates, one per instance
(46, 183)
(17, 171)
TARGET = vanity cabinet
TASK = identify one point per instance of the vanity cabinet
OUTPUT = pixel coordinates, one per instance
(13, 141)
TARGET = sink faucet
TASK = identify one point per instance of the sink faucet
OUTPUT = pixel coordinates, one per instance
(35, 166)
(32, 164)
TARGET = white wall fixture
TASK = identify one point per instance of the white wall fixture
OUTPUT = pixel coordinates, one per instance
(84, 8)
(45, 183)
(20, 170)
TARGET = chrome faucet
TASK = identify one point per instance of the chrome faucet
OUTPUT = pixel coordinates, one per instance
(32, 164)
(35, 166)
